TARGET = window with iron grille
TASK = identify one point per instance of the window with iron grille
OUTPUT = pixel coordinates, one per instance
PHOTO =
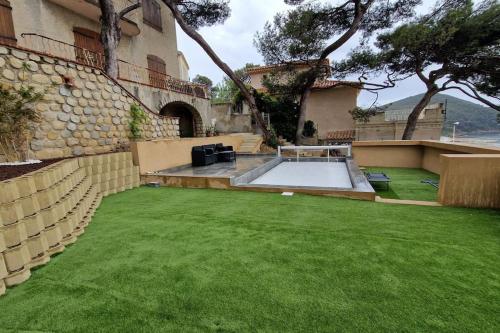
(152, 14)
(157, 71)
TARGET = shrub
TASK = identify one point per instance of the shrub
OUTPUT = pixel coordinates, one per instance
(138, 117)
(309, 129)
(17, 119)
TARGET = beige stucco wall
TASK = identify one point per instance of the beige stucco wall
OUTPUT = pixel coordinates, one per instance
(470, 180)
(227, 121)
(329, 109)
(411, 154)
(51, 20)
(183, 67)
(163, 154)
(429, 127)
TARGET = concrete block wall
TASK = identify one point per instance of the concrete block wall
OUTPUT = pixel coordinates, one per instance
(44, 211)
(83, 112)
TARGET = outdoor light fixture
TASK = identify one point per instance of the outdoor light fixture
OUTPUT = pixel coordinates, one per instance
(455, 124)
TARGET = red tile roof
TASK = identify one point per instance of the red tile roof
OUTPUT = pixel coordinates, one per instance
(327, 84)
(346, 135)
(297, 64)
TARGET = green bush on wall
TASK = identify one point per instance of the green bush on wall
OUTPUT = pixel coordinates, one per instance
(17, 119)
(138, 117)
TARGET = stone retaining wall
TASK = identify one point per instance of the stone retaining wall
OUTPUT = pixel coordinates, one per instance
(90, 115)
(42, 212)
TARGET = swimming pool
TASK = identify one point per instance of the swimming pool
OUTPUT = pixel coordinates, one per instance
(313, 174)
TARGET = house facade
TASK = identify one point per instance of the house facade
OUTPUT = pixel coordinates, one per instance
(150, 65)
(329, 104)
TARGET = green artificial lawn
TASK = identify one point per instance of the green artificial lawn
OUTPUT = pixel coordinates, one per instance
(182, 260)
(406, 184)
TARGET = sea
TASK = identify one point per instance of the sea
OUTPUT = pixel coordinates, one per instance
(482, 138)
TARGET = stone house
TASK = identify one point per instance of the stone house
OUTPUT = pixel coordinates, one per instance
(329, 104)
(150, 65)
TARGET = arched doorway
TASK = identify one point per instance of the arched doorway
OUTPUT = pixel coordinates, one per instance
(190, 123)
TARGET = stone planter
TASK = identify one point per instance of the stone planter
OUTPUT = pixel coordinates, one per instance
(3, 268)
(11, 212)
(25, 186)
(2, 245)
(42, 180)
(14, 234)
(8, 192)
(113, 174)
(54, 238)
(38, 248)
(66, 226)
(309, 141)
(2, 287)
(48, 216)
(17, 258)
(46, 198)
(29, 205)
(33, 224)
(18, 277)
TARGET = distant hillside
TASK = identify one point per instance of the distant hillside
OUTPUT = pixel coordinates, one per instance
(472, 117)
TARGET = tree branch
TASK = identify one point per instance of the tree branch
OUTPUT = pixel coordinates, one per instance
(191, 32)
(473, 95)
(360, 12)
(127, 10)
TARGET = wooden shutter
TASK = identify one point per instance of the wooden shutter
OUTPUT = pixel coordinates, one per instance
(157, 71)
(152, 13)
(7, 33)
(89, 49)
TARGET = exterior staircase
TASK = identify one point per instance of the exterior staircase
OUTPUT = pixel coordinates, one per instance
(251, 143)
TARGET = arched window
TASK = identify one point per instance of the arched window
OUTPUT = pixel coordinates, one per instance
(157, 71)
(89, 49)
(7, 33)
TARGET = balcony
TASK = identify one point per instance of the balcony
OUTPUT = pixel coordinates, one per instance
(127, 71)
(90, 9)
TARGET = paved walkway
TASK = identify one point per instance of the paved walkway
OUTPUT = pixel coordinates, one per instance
(408, 202)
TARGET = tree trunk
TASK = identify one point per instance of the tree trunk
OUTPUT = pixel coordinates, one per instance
(302, 115)
(191, 32)
(411, 123)
(110, 37)
(356, 23)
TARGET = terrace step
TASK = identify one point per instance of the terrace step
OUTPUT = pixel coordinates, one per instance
(251, 143)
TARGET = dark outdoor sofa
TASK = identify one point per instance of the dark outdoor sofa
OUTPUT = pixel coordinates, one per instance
(210, 154)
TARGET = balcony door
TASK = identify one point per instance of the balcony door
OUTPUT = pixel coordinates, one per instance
(89, 50)
(7, 34)
(157, 69)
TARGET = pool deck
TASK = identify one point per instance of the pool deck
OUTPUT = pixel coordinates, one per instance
(239, 175)
(242, 165)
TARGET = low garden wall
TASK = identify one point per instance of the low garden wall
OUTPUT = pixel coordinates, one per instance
(163, 154)
(42, 212)
(82, 111)
(470, 180)
(469, 174)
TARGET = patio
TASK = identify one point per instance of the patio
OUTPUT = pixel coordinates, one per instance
(184, 260)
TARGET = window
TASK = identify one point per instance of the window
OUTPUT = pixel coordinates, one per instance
(89, 49)
(152, 13)
(7, 34)
(157, 71)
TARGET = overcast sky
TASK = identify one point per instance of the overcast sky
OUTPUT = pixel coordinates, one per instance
(233, 42)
